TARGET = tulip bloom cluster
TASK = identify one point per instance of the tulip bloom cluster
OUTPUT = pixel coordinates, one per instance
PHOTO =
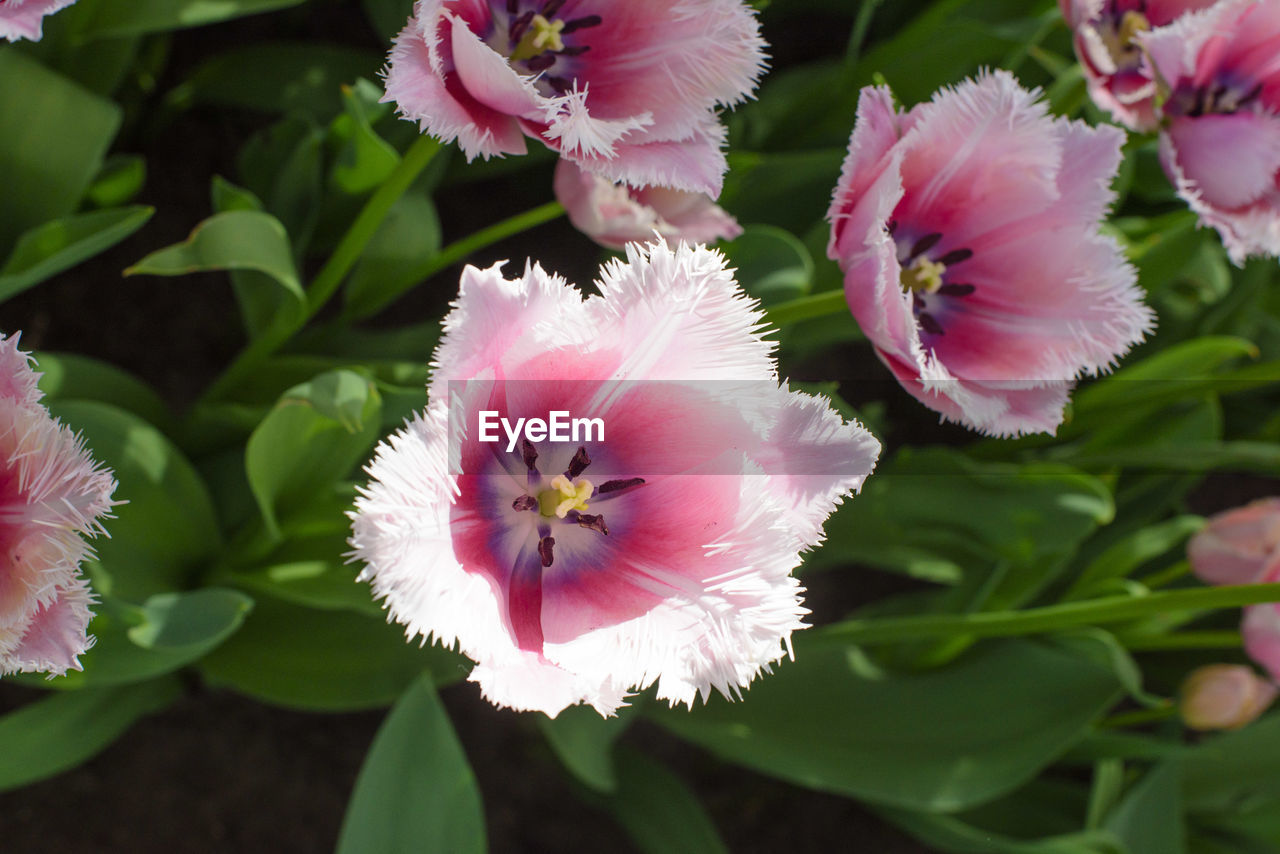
(51, 496)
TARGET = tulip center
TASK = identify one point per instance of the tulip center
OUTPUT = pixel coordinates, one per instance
(922, 275)
(927, 273)
(541, 35)
(563, 496)
(536, 41)
(1118, 38)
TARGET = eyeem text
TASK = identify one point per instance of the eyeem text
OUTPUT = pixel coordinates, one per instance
(558, 427)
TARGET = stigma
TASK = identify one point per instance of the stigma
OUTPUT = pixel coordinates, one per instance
(564, 496)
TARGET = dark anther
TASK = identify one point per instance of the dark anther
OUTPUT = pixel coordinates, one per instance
(551, 7)
(519, 25)
(615, 485)
(544, 550)
(575, 50)
(595, 523)
(541, 62)
(581, 24)
(956, 290)
(525, 502)
(930, 324)
(955, 256)
(558, 83)
(513, 6)
(891, 227)
(529, 453)
(924, 244)
(578, 464)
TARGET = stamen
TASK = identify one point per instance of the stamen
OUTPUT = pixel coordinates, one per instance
(575, 50)
(955, 256)
(930, 324)
(956, 290)
(513, 6)
(564, 496)
(551, 7)
(519, 25)
(595, 523)
(578, 464)
(922, 275)
(924, 244)
(529, 453)
(560, 84)
(541, 62)
(544, 550)
(615, 485)
(525, 502)
(581, 23)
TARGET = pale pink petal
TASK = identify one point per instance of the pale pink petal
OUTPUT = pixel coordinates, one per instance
(695, 163)
(1261, 631)
(56, 635)
(21, 19)
(1234, 546)
(487, 77)
(1233, 181)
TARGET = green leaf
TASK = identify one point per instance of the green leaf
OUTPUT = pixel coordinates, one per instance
(658, 811)
(168, 631)
(281, 77)
(67, 376)
(409, 235)
(772, 265)
(1160, 378)
(235, 240)
(48, 249)
(167, 527)
(1149, 819)
(97, 19)
(1130, 553)
(415, 791)
(122, 177)
(53, 136)
(315, 435)
(1236, 772)
(365, 159)
(584, 742)
(789, 190)
(951, 834)
(938, 741)
(282, 165)
(328, 660)
(388, 16)
(59, 732)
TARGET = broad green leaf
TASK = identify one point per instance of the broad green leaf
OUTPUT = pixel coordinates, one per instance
(48, 249)
(281, 77)
(415, 791)
(658, 811)
(941, 740)
(1252, 457)
(57, 733)
(282, 166)
(262, 303)
(67, 376)
(235, 240)
(1133, 551)
(409, 235)
(1235, 772)
(584, 742)
(364, 159)
(53, 136)
(1149, 819)
(772, 265)
(324, 660)
(790, 190)
(167, 527)
(951, 834)
(1158, 378)
(97, 19)
(121, 178)
(168, 631)
(315, 435)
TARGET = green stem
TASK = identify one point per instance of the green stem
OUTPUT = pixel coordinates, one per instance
(805, 308)
(1109, 609)
(853, 51)
(460, 249)
(1137, 717)
(344, 257)
(1226, 639)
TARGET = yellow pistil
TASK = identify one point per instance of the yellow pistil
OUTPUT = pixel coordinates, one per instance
(923, 275)
(564, 496)
(1119, 42)
(542, 35)
(1132, 23)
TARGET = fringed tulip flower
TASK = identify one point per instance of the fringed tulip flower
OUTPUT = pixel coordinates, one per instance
(1220, 143)
(967, 229)
(659, 549)
(1224, 696)
(627, 89)
(22, 19)
(614, 215)
(1105, 33)
(52, 495)
(1242, 546)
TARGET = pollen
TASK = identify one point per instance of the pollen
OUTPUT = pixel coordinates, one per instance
(542, 35)
(923, 275)
(564, 495)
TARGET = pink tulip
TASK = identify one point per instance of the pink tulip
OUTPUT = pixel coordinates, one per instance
(1221, 141)
(967, 229)
(660, 551)
(21, 19)
(614, 215)
(624, 88)
(51, 496)
(1224, 696)
(1119, 77)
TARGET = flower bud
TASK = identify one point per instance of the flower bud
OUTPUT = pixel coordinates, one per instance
(1224, 696)
(1235, 546)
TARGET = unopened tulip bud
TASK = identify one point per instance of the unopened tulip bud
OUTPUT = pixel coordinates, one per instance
(1224, 696)
(1234, 547)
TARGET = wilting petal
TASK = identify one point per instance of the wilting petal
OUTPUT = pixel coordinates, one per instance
(660, 550)
(967, 230)
(626, 90)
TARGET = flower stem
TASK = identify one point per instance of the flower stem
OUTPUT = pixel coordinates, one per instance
(460, 249)
(1138, 717)
(807, 307)
(1109, 609)
(344, 257)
